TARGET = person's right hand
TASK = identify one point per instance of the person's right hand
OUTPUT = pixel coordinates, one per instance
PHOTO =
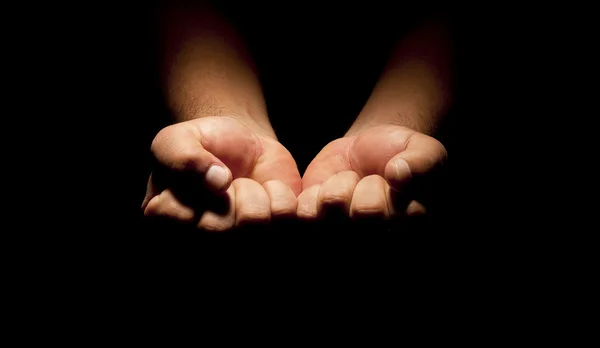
(218, 173)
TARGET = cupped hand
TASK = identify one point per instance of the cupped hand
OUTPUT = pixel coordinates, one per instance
(369, 175)
(217, 173)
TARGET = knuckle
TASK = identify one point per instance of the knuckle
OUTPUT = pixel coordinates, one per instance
(283, 211)
(283, 205)
(306, 214)
(211, 222)
(253, 217)
(334, 198)
(338, 193)
(368, 210)
(254, 213)
(215, 226)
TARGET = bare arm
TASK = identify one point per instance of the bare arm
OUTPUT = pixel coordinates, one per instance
(415, 88)
(206, 69)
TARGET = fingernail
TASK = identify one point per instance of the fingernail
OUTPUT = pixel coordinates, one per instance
(402, 169)
(216, 177)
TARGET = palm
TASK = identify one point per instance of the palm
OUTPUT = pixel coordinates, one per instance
(248, 154)
(258, 178)
(366, 153)
(357, 172)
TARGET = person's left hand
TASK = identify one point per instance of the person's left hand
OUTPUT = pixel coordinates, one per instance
(369, 174)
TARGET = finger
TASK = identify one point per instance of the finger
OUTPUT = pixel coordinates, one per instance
(211, 147)
(402, 206)
(336, 193)
(151, 191)
(422, 155)
(370, 198)
(415, 209)
(166, 205)
(307, 203)
(220, 220)
(179, 149)
(283, 200)
(252, 204)
(396, 153)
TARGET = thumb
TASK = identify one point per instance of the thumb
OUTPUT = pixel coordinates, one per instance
(422, 155)
(179, 148)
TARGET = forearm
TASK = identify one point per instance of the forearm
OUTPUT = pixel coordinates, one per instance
(415, 89)
(206, 69)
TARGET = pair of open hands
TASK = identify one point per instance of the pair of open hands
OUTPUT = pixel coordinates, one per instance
(217, 174)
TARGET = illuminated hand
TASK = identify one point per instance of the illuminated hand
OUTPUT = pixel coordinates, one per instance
(216, 173)
(368, 175)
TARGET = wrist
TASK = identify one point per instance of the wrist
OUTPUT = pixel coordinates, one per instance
(258, 124)
(412, 121)
(251, 115)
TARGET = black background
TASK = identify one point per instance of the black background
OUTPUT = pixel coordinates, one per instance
(86, 75)
(90, 76)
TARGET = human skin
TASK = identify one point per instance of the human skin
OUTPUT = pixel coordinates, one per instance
(391, 143)
(221, 138)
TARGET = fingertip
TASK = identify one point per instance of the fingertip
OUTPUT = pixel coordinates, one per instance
(307, 203)
(223, 219)
(218, 178)
(167, 206)
(151, 208)
(369, 199)
(398, 173)
(415, 209)
(335, 195)
(284, 202)
(252, 205)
